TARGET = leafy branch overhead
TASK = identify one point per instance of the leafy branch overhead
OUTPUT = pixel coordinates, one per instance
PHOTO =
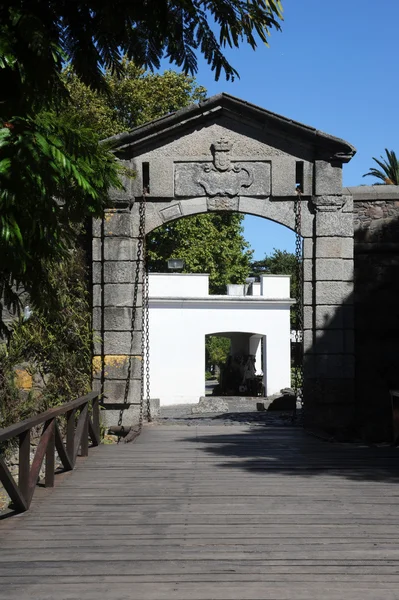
(93, 35)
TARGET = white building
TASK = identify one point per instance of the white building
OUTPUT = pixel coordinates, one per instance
(182, 313)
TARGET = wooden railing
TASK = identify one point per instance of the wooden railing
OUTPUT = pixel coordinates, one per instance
(81, 424)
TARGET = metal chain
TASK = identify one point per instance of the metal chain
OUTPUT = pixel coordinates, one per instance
(146, 332)
(138, 270)
(298, 359)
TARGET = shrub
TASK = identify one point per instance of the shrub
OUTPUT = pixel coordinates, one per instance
(55, 344)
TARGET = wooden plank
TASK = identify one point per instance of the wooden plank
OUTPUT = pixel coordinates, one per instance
(62, 453)
(47, 435)
(92, 431)
(70, 442)
(84, 438)
(176, 590)
(24, 465)
(81, 433)
(50, 458)
(222, 513)
(96, 422)
(11, 487)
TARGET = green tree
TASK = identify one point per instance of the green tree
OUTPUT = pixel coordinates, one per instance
(37, 37)
(55, 346)
(279, 262)
(136, 98)
(52, 177)
(41, 158)
(389, 169)
(217, 349)
(209, 243)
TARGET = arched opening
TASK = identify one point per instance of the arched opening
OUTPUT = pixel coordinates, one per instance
(251, 313)
(237, 362)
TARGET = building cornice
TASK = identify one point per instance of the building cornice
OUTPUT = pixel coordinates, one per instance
(249, 301)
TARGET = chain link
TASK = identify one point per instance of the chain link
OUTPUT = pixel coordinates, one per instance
(298, 358)
(146, 332)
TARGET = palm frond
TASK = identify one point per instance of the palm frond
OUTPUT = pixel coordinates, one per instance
(389, 168)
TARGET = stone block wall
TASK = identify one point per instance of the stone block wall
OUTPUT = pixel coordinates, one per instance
(328, 313)
(376, 302)
(114, 271)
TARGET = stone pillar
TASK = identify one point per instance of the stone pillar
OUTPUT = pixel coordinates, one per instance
(115, 242)
(255, 348)
(328, 315)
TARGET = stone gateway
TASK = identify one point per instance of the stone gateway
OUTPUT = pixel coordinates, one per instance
(225, 154)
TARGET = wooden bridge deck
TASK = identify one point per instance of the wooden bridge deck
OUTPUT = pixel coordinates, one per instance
(221, 513)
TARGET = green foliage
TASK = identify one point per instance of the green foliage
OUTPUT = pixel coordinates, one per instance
(389, 169)
(55, 344)
(279, 262)
(296, 378)
(42, 160)
(35, 37)
(209, 243)
(14, 405)
(136, 98)
(217, 349)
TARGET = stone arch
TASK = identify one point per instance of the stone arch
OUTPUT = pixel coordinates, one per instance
(281, 212)
(226, 154)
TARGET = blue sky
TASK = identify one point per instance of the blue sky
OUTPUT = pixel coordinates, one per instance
(334, 67)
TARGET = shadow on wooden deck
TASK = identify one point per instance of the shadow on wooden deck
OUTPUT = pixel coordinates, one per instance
(290, 451)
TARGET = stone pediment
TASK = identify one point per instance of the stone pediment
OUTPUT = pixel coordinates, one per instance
(226, 147)
(325, 146)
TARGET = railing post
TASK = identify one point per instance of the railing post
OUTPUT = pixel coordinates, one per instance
(50, 460)
(70, 445)
(84, 444)
(24, 464)
(96, 417)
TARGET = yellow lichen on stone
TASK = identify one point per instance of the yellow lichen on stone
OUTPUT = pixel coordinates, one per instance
(96, 364)
(116, 361)
(23, 379)
(109, 214)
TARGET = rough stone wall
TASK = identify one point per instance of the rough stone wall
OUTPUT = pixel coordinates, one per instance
(376, 225)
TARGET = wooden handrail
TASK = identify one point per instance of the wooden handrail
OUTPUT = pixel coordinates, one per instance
(13, 430)
(80, 427)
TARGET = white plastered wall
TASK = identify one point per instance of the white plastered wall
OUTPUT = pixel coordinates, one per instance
(179, 324)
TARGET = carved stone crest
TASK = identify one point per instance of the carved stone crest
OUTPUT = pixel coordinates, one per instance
(222, 178)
